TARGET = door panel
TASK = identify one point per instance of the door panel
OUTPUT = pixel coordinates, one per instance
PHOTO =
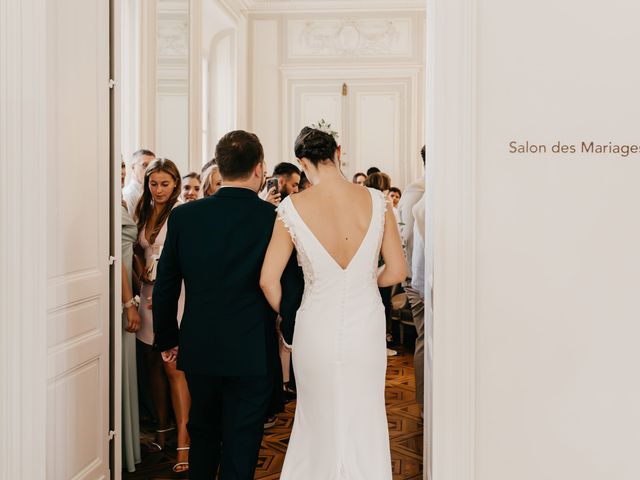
(312, 102)
(78, 240)
(372, 120)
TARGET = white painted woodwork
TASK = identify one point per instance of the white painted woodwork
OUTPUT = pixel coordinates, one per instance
(130, 85)
(320, 6)
(118, 74)
(266, 104)
(354, 38)
(23, 253)
(299, 63)
(172, 66)
(536, 261)
(77, 239)
(222, 88)
(376, 121)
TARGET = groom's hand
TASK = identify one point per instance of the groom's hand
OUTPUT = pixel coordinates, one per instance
(170, 355)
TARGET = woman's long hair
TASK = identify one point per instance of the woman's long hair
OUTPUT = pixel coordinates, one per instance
(145, 204)
(206, 179)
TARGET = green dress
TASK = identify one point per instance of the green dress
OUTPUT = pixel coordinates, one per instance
(130, 416)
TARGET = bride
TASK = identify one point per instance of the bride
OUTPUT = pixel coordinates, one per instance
(339, 230)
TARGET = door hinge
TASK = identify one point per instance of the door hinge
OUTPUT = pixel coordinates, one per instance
(112, 434)
(112, 259)
(112, 83)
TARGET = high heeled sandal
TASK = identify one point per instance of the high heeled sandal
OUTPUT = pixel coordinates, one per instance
(181, 467)
(161, 430)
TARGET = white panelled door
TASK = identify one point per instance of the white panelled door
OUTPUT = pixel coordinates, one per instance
(380, 120)
(312, 102)
(77, 210)
(374, 117)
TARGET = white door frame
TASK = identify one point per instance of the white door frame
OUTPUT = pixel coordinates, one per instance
(23, 286)
(451, 149)
(115, 402)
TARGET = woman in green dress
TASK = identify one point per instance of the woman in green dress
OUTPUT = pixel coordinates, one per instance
(130, 324)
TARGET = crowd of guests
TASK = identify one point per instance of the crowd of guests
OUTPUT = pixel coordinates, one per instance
(154, 188)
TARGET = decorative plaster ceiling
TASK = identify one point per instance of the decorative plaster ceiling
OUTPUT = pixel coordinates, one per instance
(332, 5)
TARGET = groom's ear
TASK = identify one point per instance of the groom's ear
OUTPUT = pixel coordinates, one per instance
(258, 171)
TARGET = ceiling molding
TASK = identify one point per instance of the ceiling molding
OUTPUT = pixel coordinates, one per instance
(290, 6)
(237, 8)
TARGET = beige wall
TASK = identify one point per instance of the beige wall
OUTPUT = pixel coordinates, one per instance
(536, 281)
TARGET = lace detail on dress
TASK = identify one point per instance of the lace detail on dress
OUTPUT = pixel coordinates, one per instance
(284, 215)
(379, 211)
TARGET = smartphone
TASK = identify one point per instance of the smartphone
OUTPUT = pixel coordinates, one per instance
(272, 183)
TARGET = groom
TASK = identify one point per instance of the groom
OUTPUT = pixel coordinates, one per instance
(228, 345)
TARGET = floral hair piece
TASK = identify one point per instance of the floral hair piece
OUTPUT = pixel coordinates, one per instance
(325, 127)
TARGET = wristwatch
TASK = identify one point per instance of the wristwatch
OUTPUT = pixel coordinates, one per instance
(134, 301)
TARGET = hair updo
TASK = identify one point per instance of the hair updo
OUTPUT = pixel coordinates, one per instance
(315, 145)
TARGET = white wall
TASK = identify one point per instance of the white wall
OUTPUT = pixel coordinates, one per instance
(172, 55)
(299, 62)
(536, 280)
(219, 81)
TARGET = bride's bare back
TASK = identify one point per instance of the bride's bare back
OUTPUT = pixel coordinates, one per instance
(338, 213)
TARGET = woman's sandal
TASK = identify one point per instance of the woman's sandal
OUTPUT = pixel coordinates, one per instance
(181, 466)
(163, 431)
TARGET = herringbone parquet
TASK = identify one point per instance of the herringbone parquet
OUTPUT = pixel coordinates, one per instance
(405, 430)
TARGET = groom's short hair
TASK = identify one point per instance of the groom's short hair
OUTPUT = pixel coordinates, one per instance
(237, 154)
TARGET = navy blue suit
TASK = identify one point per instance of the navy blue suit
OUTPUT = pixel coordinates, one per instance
(227, 339)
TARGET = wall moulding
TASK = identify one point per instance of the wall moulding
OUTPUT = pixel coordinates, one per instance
(310, 6)
(173, 38)
(393, 38)
(349, 37)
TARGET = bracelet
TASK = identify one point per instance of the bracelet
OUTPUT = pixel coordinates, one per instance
(134, 301)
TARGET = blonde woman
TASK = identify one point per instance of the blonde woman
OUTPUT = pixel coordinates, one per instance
(160, 195)
(211, 179)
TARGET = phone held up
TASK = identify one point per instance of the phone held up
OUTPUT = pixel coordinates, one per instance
(272, 183)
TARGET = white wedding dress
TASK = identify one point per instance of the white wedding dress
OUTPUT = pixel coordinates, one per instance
(339, 357)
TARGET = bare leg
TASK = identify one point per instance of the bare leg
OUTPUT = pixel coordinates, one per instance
(181, 401)
(158, 385)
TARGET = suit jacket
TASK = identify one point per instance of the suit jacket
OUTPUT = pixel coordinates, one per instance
(216, 246)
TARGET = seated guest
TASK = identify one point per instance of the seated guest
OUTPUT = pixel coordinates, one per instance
(288, 176)
(133, 190)
(359, 178)
(190, 187)
(372, 170)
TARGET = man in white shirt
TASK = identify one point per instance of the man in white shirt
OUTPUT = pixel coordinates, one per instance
(410, 231)
(133, 190)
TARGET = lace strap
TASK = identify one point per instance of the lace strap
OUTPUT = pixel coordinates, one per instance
(284, 215)
(380, 205)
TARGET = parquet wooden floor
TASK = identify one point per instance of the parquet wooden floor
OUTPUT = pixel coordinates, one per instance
(405, 430)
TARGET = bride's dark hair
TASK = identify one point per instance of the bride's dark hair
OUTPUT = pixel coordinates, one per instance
(315, 145)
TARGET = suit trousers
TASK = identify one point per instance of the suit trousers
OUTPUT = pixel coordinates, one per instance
(417, 310)
(226, 424)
